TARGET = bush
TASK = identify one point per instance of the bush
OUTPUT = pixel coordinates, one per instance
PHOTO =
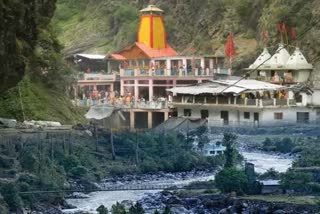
(231, 180)
(70, 162)
(295, 180)
(136, 209)
(79, 171)
(11, 196)
(118, 209)
(102, 210)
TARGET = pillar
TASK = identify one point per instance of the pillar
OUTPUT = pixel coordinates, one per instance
(132, 118)
(211, 64)
(121, 87)
(149, 119)
(235, 101)
(184, 65)
(168, 63)
(202, 64)
(75, 88)
(166, 116)
(216, 100)
(136, 90)
(150, 90)
(112, 87)
(229, 100)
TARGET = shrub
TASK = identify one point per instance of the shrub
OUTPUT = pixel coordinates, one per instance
(295, 180)
(231, 180)
(136, 209)
(79, 171)
(118, 209)
(11, 196)
(70, 162)
(102, 210)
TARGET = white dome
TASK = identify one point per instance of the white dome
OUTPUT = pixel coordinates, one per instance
(298, 61)
(280, 58)
(263, 58)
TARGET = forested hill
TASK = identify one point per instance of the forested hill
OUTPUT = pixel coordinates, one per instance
(101, 26)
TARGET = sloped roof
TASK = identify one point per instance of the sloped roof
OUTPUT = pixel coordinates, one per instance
(91, 56)
(151, 8)
(226, 86)
(153, 53)
(280, 58)
(117, 57)
(298, 61)
(264, 58)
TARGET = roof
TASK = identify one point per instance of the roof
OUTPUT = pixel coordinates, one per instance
(151, 8)
(298, 61)
(91, 56)
(153, 53)
(117, 57)
(99, 112)
(180, 124)
(270, 182)
(226, 86)
(280, 58)
(263, 58)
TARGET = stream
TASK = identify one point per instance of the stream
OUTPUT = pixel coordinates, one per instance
(262, 162)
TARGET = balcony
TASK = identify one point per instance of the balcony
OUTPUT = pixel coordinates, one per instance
(97, 77)
(192, 72)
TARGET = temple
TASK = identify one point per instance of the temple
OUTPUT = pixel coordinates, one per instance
(136, 77)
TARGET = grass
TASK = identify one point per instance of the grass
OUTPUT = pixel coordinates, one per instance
(300, 200)
(39, 103)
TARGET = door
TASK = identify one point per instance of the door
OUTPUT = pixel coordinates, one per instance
(225, 117)
(204, 114)
(256, 118)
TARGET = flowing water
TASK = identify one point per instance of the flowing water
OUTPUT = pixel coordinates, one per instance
(262, 163)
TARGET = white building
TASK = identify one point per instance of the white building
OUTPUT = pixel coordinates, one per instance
(278, 93)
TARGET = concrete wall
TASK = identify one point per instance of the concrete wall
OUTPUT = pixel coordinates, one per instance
(236, 115)
(315, 98)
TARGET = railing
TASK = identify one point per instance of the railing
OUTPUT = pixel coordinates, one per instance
(97, 76)
(234, 101)
(157, 104)
(128, 72)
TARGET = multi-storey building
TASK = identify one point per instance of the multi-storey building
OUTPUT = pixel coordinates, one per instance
(281, 94)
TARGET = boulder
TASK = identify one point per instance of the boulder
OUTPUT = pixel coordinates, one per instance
(8, 123)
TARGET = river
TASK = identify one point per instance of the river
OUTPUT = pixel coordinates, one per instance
(262, 163)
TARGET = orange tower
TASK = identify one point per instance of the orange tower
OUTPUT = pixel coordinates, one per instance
(152, 31)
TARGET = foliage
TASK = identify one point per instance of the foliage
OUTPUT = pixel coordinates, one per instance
(167, 210)
(231, 179)
(270, 174)
(79, 171)
(230, 152)
(136, 209)
(102, 210)
(295, 180)
(11, 196)
(118, 209)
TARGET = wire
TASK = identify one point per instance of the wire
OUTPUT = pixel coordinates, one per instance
(286, 45)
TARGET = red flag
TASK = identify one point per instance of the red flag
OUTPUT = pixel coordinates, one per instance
(293, 33)
(284, 28)
(230, 48)
(279, 27)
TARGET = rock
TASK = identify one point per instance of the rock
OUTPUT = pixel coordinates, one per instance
(79, 195)
(174, 200)
(8, 123)
(225, 211)
(179, 210)
(279, 212)
(192, 202)
(127, 203)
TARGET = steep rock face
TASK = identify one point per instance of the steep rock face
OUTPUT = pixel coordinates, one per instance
(20, 24)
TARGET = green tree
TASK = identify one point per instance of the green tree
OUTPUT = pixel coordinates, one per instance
(11, 196)
(296, 180)
(118, 209)
(136, 209)
(230, 152)
(167, 210)
(156, 212)
(231, 179)
(102, 210)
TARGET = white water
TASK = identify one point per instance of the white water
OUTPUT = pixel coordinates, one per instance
(262, 163)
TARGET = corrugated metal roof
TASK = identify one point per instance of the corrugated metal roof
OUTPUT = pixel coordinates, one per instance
(226, 86)
(92, 56)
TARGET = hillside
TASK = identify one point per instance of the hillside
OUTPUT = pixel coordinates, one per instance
(102, 26)
(33, 78)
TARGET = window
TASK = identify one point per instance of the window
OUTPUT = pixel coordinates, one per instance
(302, 117)
(212, 152)
(278, 115)
(187, 112)
(246, 115)
(204, 114)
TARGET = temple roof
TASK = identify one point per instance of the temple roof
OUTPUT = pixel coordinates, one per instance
(153, 53)
(280, 58)
(151, 8)
(263, 58)
(298, 61)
